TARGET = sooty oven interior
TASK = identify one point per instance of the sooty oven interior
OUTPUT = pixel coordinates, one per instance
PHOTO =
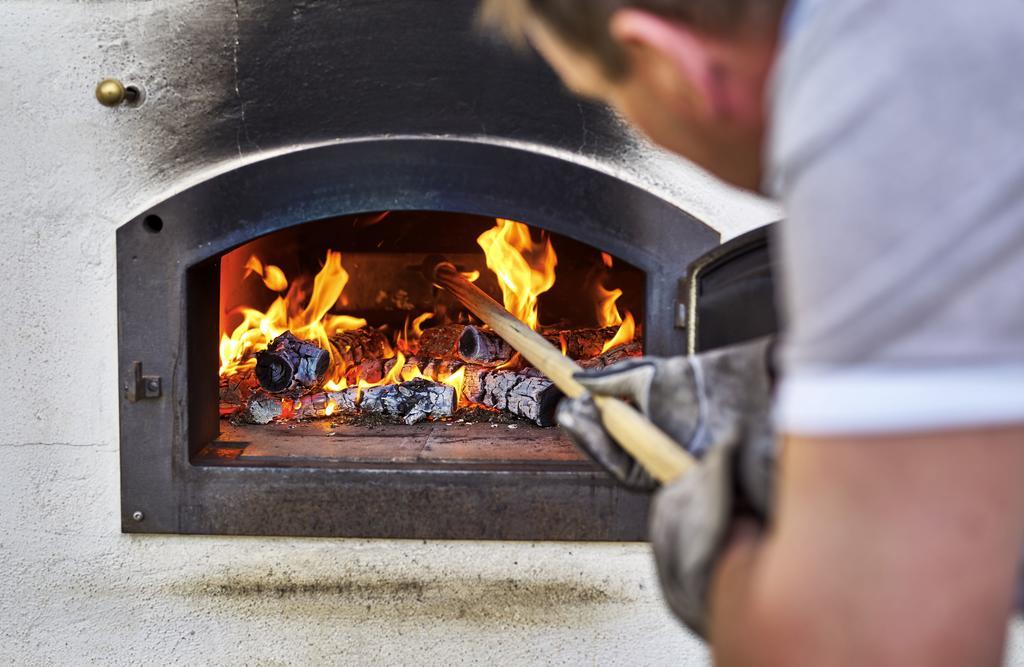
(287, 368)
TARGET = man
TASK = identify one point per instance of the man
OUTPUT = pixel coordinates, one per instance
(890, 130)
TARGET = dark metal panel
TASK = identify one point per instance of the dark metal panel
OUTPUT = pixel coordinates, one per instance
(731, 294)
(202, 222)
(412, 504)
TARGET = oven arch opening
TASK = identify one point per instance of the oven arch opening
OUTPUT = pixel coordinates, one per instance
(165, 304)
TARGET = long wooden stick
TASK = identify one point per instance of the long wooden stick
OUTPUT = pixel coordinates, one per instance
(657, 452)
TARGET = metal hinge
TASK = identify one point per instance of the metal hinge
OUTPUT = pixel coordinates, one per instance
(138, 386)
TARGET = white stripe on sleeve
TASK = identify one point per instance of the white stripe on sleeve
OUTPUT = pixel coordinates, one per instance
(864, 401)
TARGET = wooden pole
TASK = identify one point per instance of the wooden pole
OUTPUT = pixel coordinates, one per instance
(648, 444)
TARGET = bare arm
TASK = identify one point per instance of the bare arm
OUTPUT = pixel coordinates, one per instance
(885, 551)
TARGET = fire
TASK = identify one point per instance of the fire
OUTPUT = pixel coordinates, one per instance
(394, 376)
(273, 276)
(604, 302)
(311, 321)
(417, 324)
(394, 353)
(608, 312)
(525, 269)
(624, 335)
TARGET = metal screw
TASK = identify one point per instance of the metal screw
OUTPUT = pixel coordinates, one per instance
(111, 93)
(153, 385)
(138, 515)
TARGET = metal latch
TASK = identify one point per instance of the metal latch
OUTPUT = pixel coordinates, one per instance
(138, 386)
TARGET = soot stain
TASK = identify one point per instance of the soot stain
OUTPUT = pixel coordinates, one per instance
(475, 600)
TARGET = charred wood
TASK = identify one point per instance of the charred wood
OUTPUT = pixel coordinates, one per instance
(439, 369)
(614, 355)
(411, 401)
(371, 370)
(439, 342)
(291, 367)
(358, 345)
(524, 393)
(478, 345)
(236, 389)
(327, 403)
(581, 343)
(261, 408)
(482, 346)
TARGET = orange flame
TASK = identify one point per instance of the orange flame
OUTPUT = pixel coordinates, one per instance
(456, 380)
(607, 259)
(417, 324)
(394, 376)
(312, 322)
(273, 276)
(624, 335)
(604, 303)
(525, 269)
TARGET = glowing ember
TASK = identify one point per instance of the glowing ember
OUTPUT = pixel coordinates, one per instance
(525, 269)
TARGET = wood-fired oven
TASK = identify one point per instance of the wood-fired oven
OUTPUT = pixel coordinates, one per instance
(288, 370)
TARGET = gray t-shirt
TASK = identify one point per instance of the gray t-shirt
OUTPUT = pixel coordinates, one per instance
(897, 148)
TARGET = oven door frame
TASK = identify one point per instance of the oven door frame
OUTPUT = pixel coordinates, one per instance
(168, 273)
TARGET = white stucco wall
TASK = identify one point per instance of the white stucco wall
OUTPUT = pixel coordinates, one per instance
(75, 590)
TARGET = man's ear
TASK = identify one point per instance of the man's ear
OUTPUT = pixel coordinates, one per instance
(668, 49)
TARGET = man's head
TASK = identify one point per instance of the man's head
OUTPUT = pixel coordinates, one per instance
(691, 74)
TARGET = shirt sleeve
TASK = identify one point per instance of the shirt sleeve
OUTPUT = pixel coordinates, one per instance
(897, 155)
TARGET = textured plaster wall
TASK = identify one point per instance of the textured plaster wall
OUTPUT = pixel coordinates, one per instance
(75, 590)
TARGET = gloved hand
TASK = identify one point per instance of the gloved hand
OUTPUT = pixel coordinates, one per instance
(716, 405)
(697, 400)
(691, 519)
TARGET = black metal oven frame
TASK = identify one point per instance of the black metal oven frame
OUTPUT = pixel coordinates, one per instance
(168, 278)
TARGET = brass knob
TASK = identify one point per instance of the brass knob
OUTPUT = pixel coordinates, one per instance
(110, 92)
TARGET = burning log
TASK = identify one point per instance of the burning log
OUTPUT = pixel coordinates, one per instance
(358, 345)
(581, 343)
(411, 401)
(614, 356)
(261, 408)
(327, 403)
(484, 347)
(478, 345)
(236, 389)
(371, 370)
(524, 393)
(346, 400)
(439, 342)
(436, 369)
(290, 366)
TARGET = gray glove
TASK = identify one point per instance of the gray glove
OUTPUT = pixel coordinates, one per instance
(690, 525)
(716, 405)
(696, 400)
